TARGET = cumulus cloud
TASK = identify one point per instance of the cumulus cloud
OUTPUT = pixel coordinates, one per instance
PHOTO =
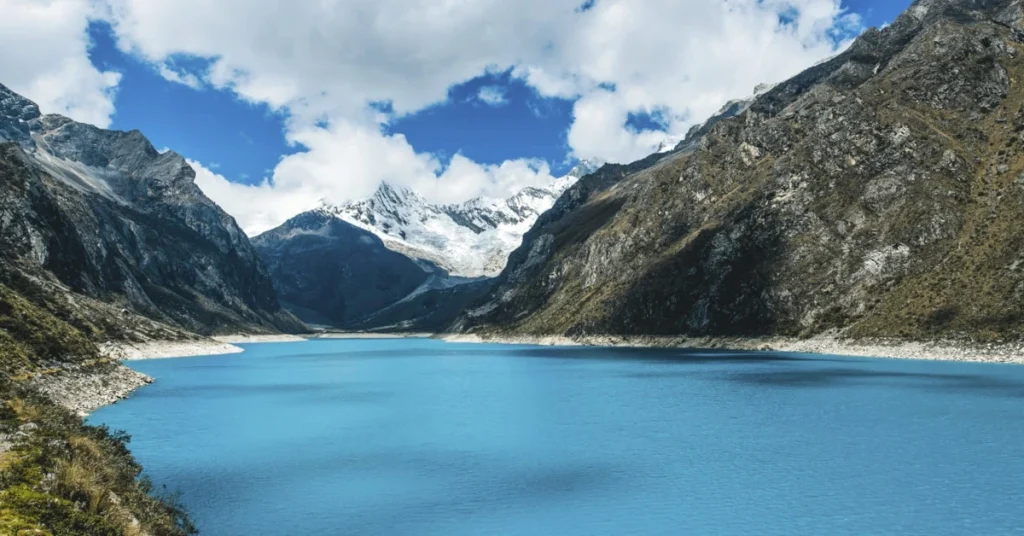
(344, 161)
(257, 207)
(335, 56)
(323, 63)
(184, 78)
(44, 56)
(493, 95)
(684, 59)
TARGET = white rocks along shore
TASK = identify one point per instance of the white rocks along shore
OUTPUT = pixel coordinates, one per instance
(823, 344)
(131, 351)
(86, 390)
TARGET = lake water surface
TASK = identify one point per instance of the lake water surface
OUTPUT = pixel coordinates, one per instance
(421, 437)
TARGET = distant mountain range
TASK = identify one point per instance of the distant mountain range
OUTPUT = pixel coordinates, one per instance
(329, 271)
(393, 261)
(471, 239)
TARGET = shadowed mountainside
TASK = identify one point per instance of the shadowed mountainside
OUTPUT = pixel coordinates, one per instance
(333, 273)
(104, 215)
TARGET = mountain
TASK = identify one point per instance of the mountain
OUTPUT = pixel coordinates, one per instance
(330, 272)
(102, 238)
(471, 239)
(395, 261)
(429, 310)
(101, 221)
(877, 194)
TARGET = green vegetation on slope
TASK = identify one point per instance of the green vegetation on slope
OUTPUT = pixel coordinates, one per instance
(65, 478)
(32, 338)
(57, 475)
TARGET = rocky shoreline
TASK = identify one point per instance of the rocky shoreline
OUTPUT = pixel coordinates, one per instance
(220, 345)
(132, 351)
(822, 344)
(85, 390)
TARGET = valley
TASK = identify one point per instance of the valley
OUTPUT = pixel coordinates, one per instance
(866, 207)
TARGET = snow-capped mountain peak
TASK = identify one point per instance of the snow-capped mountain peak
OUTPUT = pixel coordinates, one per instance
(583, 168)
(470, 239)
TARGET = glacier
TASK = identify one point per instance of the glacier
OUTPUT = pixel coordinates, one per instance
(471, 239)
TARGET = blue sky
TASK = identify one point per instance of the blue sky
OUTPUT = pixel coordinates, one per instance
(241, 139)
(877, 12)
(278, 109)
(244, 141)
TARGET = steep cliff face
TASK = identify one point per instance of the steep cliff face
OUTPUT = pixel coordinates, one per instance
(330, 272)
(879, 193)
(107, 216)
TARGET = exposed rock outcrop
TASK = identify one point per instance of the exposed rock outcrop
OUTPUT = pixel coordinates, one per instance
(105, 215)
(85, 390)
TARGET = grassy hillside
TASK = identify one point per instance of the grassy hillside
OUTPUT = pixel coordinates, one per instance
(57, 475)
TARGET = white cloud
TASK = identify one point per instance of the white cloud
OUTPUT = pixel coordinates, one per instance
(44, 56)
(324, 62)
(685, 58)
(598, 129)
(184, 78)
(256, 208)
(337, 55)
(493, 95)
(345, 161)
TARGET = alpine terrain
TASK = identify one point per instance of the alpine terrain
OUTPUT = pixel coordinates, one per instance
(104, 216)
(329, 272)
(103, 239)
(874, 200)
(877, 194)
(395, 261)
(471, 239)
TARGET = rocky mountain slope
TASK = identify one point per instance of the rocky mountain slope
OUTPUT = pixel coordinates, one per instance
(471, 239)
(330, 272)
(101, 238)
(878, 194)
(97, 216)
(396, 261)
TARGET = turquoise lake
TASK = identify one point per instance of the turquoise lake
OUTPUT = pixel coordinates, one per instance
(422, 437)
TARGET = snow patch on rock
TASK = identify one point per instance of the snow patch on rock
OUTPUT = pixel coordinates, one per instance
(471, 239)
